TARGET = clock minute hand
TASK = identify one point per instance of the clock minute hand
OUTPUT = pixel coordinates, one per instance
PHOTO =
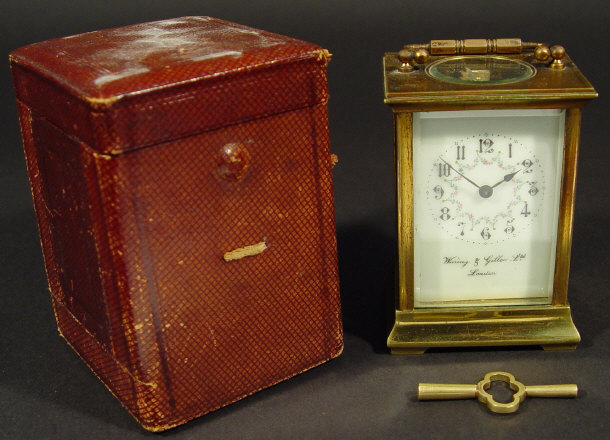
(506, 178)
(449, 165)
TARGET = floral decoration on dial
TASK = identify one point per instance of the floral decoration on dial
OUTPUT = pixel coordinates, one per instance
(486, 188)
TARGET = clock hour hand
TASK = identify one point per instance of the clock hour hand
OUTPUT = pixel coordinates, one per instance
(486, 191)
(506, 178)
(449, 165)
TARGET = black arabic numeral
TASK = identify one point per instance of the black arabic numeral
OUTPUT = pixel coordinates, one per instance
(444, 170)
(527, 164)
(438, 192)
(485, 145)
(485, 234)
(461, 152)
(445, 214)
(524, 211)
(509, 227)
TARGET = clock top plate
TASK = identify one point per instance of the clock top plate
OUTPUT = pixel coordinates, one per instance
(539, 86)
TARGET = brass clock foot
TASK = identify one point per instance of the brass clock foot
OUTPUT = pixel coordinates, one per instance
(408, 351)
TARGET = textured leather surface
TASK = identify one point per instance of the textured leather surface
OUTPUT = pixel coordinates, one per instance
(113, 63)
(117, 106)
(139, 198)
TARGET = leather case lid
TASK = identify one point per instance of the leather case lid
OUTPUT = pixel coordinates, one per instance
(99, 85)
(110, 64)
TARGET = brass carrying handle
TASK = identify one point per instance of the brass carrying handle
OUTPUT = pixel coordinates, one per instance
(476, 46)
(419, 53)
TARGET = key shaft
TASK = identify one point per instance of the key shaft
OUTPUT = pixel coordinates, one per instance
(442, 391)
(562, 390)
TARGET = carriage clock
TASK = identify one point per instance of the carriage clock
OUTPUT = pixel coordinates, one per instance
(486, 140)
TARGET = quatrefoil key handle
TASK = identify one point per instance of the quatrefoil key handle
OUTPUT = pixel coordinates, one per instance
(436, 391)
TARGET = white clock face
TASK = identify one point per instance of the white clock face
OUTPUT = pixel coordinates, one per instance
(485, 205)
(485, 188)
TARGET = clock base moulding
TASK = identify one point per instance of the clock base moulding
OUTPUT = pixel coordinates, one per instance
(548, 326)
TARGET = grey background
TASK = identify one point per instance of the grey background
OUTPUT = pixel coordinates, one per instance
(47, 392)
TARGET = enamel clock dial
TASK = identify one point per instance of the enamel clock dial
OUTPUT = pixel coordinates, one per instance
(485, 202)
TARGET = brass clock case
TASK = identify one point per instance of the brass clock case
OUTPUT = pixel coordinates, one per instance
(420, 79)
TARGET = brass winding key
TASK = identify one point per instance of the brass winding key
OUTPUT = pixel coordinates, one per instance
(439, 391)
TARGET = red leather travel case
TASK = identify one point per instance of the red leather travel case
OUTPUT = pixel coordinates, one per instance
(181, 177)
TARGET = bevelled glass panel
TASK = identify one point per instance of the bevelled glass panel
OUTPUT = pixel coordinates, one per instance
(480, 70)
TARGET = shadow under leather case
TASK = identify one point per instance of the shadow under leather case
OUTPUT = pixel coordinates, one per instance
(181, 178)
